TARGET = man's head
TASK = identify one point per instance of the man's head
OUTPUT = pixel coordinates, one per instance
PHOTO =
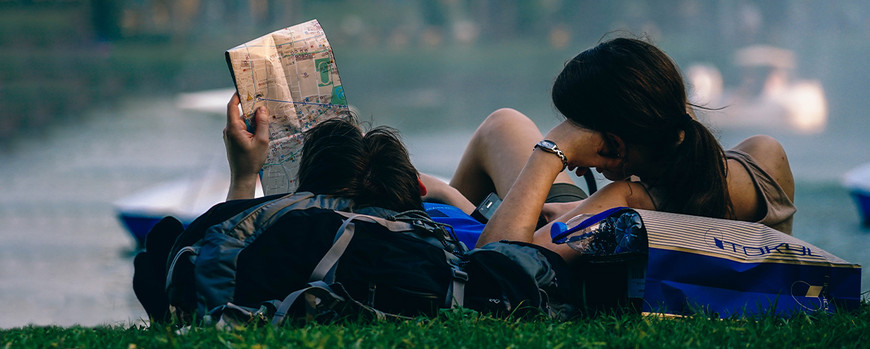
(373, 169)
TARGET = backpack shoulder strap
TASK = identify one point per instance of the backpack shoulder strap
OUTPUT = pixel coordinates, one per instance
(325, 269)
(456, 292)
(393, 226)
(324, 273)
(250, 223)
(318, 289)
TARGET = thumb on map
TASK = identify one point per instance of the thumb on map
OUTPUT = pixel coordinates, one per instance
(261, 117)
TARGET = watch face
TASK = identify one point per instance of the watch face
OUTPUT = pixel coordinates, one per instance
(548, 145)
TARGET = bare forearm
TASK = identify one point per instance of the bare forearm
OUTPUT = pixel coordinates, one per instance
(439, 191)
(242, 187)
(517, 217)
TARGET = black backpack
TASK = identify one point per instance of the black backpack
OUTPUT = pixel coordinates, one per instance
(307, 256)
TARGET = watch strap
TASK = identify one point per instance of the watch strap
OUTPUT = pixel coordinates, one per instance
(553, 149)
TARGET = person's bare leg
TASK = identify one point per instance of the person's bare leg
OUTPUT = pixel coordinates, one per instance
(496, 153)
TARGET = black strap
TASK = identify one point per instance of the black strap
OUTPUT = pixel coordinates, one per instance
(325, 269)
(591, 184)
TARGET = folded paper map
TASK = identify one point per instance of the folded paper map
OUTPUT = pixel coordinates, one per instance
(292, 72)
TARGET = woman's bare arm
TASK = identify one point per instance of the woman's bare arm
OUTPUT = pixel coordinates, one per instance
(517, 217)
(616, 194)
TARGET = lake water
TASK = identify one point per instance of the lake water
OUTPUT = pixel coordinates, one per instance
(65, 259)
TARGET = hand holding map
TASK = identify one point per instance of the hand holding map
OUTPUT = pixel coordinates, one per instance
(292, 72)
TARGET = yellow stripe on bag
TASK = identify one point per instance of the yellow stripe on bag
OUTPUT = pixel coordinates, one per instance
(738, 241)
(814, 291)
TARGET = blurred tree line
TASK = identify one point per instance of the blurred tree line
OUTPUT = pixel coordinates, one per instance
(61, 56)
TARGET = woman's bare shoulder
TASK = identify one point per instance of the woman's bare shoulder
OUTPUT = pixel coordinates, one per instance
(770, 155)
(766, 150)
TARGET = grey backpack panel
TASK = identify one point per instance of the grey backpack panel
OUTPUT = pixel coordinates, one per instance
(215, 269)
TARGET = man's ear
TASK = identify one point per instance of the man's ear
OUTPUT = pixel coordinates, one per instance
(614, 147)
(423, 190)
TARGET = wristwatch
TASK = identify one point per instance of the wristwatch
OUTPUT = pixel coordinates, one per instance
(550, 147)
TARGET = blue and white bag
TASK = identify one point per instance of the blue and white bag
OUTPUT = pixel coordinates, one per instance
(717, 266)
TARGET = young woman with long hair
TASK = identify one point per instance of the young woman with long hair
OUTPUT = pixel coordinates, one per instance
(628, 116)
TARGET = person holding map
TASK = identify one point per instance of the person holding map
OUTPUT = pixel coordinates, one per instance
(373, 168)
(292, 72)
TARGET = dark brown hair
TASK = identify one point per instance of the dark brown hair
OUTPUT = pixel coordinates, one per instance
(632, 89)
(373, 169)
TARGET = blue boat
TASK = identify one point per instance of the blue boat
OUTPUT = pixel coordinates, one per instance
(857, 181)
(184, 198)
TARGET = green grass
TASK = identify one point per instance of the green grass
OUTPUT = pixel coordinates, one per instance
(468, 329)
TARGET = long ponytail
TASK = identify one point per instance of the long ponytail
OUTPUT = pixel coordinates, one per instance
(694, 181)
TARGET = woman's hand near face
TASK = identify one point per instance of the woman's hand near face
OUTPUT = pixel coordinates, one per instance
(583, 147)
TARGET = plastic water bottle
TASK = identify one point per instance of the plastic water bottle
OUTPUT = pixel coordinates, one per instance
(615, 242)
(587, 237)
(607, 233)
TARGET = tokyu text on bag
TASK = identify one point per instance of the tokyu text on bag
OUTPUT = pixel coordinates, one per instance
(722, 267)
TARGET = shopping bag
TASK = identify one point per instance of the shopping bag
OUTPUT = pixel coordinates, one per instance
(726, 268)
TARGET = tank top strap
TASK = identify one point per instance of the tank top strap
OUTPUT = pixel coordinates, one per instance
(648, 191)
